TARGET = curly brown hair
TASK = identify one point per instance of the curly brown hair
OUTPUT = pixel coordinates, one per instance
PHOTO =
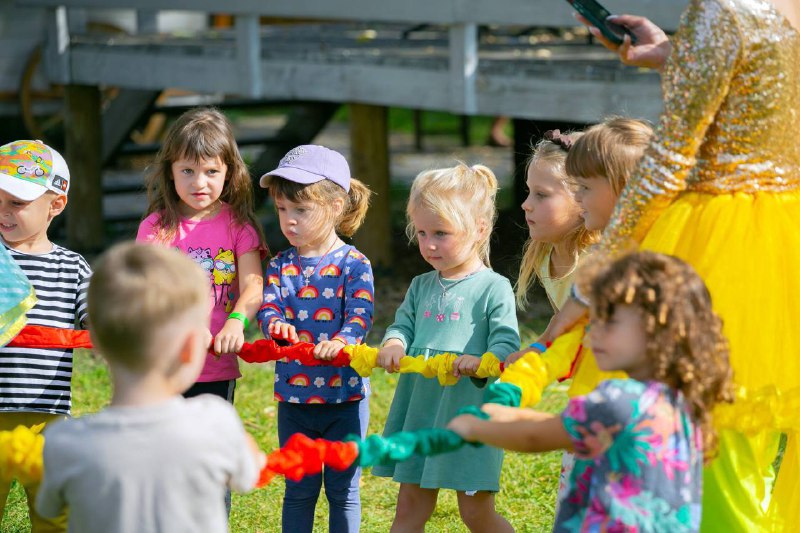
(684, 335)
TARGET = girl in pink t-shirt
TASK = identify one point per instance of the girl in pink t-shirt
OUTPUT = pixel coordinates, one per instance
(201, 202)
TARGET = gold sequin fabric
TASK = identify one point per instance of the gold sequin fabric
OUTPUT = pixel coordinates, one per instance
(731, 119)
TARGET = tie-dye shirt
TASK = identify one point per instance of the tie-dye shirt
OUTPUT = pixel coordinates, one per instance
(325, 298)
(214, 244)
(638, 461)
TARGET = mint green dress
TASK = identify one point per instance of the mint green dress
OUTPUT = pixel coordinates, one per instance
(473, 316)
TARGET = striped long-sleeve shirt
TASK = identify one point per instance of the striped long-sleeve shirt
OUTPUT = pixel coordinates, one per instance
(33, 379)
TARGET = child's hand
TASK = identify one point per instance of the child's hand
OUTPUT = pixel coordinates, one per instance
(516, 356)
(466, 365)
(464, 425)
(389, 357)
(328, 350)
(283, 331)
(230, 338)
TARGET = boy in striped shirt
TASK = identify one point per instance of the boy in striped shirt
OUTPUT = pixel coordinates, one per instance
(35, 383)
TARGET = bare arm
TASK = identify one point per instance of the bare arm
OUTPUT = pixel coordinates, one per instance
(542, 433)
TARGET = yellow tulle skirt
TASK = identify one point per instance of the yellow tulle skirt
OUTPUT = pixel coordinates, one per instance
(747, 249)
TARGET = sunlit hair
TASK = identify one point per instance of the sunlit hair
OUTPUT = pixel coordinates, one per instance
(463, 196)
(610, 150)
(200, 133)
(684, 335)
(323, 194)
(135, 292)
(578, 239)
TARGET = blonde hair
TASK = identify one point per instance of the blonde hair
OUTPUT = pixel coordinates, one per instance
(463, 196)
(324, 193)
(535, 253)
(200, 133)
(137, 290)
(610, 150)
(684, 336)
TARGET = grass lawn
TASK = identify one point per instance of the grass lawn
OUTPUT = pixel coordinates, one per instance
(529, 481)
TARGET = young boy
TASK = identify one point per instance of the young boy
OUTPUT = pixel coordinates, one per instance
(35, 383)
(153, 460)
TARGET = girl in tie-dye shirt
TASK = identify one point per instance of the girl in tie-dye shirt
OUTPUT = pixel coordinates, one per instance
(639, 443)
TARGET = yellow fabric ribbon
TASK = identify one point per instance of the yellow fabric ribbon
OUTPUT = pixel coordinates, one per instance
(363, 359)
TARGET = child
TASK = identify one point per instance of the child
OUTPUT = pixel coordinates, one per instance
(600, 162)
(319, 290)
(557, 234)
(462, 307)
(35, 383)
(152, 460)
(201, 202)
(639, 443)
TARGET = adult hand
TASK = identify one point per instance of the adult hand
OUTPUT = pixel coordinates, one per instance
(652, 46)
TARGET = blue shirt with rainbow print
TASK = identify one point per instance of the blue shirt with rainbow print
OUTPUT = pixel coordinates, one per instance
(324, 298)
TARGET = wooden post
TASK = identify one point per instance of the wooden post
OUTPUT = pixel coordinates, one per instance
(369, 157)
(84, 152)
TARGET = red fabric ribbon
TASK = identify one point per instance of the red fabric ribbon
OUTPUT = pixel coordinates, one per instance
(47, 337)
(303, 456)
(265, 350)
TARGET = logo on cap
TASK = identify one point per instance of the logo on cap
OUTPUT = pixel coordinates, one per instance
(292, 155)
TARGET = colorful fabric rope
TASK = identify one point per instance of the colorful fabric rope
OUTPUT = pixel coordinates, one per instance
(21, 454)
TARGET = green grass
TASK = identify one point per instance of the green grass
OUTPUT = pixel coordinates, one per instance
(529, 482)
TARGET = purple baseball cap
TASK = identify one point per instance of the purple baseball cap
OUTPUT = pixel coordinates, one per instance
(311, 163)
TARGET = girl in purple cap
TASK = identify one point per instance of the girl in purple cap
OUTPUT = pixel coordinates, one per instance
(319, 290)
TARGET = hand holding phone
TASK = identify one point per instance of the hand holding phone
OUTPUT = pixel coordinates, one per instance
(598, 15)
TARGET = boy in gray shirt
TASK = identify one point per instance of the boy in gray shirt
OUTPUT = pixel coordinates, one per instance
(153, 460)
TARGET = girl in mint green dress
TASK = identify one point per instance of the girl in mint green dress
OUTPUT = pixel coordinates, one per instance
(461, 307)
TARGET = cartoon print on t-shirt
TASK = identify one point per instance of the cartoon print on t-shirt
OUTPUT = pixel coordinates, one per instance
(224, 274)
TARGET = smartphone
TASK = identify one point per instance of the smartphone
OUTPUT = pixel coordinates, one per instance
(598, 16)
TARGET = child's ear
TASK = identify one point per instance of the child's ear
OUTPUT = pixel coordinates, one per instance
(57, 205)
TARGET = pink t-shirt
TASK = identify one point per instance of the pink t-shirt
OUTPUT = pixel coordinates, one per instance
(215, 245)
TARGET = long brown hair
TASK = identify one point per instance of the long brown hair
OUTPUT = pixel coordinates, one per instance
(200, 133)
(684, 335)
(579, 239)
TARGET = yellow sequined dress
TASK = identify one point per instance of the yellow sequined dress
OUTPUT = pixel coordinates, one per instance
(720, 188)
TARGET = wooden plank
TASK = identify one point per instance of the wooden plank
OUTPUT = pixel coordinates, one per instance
(146, 21)
(248, 54)
(575, 100)
(56, 52)
(121, 115)
(463, 67)
(369, 159)
(84, 145)
(523, 12)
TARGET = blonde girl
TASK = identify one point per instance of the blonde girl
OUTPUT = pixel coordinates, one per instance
(460, 307)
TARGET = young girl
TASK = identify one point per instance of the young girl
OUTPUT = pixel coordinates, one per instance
(201, 202)
(600, 162)
(640, 442)
(460, 307)
(603, 160)
(319, 290)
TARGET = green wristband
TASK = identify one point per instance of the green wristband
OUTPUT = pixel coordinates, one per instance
(240, 317)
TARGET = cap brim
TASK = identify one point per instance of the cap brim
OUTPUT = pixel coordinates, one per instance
(21, 189)
(296, 175)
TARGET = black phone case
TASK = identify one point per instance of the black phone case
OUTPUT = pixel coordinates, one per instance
(597, 15)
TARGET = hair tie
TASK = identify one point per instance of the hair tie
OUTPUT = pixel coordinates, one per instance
(556, 137)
